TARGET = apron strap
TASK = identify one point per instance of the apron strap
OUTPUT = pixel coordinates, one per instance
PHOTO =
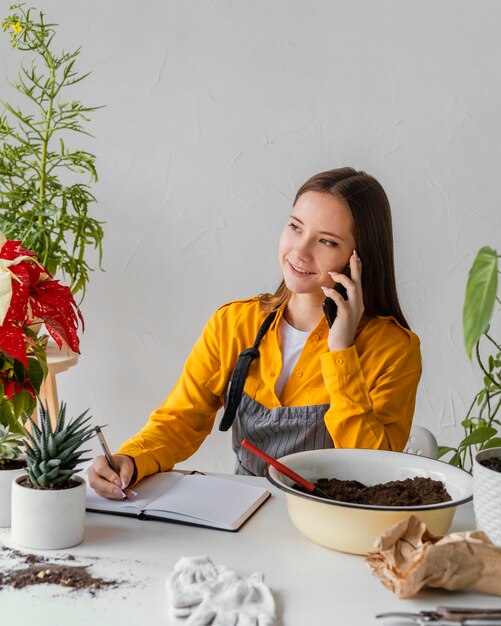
(245, 358)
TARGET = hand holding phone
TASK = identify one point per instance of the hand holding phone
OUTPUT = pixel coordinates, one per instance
(329, 306)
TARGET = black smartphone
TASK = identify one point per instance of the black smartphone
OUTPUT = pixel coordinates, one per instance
(329, 306)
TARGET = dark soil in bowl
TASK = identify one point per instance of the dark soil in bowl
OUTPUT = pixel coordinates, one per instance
(416, 491)
(494, 463)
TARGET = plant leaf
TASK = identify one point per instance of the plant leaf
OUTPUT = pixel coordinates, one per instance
(480, 296)
(479, 435)
(442, 450)
(495, 442)
(456, 460)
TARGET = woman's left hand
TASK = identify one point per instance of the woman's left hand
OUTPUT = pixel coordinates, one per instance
(349, 312)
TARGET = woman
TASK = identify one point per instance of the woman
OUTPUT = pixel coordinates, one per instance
(305, 385)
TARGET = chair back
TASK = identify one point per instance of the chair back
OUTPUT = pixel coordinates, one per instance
(422, 442)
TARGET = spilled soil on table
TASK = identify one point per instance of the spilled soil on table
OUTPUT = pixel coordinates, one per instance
(39, 570)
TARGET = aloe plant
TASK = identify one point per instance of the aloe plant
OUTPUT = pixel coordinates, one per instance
(52, 455)
(482, 422)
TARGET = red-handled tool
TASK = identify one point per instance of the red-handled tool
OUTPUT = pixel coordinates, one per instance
(283, 469)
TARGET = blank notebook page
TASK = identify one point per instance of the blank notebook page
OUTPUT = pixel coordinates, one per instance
(205, 497)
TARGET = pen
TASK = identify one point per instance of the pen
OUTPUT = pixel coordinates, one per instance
(107, 452)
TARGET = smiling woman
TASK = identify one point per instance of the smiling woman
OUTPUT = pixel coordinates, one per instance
(289, 381)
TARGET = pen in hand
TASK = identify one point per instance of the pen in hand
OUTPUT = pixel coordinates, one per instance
(107, 453)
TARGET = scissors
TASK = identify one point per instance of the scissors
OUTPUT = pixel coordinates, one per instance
(450, 616)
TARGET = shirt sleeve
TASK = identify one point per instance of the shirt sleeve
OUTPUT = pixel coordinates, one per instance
(178, 427)
(377, 416)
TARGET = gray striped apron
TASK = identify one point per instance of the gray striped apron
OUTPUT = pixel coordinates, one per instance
(279, 431)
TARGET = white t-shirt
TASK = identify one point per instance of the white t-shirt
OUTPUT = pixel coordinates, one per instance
(291, 344)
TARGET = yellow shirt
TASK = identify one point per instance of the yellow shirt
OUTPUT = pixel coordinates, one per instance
(370, 386)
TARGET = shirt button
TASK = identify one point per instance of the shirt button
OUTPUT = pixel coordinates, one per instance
(272, 374)
(339, 361)
(299, 373)
(315, 337)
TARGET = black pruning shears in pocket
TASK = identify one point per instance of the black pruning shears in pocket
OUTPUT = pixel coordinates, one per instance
(329, 306)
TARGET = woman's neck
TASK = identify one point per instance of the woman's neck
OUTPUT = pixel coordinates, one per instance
(304, 310)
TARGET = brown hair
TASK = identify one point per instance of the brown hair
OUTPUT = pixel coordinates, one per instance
(373, 232)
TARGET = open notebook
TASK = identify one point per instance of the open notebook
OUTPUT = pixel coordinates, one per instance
(188, 498)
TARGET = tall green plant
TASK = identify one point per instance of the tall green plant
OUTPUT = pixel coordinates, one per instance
(482, 422)
(41, 201)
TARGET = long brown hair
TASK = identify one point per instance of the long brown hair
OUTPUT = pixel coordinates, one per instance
(373, 232)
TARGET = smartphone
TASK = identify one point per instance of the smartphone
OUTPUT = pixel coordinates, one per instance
(329, 306)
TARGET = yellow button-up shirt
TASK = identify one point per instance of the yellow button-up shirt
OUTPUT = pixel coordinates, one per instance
(370, 386)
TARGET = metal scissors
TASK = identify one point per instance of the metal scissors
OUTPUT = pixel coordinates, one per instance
(450, 616)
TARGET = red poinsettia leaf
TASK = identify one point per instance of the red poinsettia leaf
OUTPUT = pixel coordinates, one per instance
(35, 271)
(11, 249)
(13, 342)
(55, 305)
(17, 311)
(13, 388)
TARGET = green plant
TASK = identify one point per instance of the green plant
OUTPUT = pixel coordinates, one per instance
(10, 445)
(40, 202)
(53, 455)
(481, 424)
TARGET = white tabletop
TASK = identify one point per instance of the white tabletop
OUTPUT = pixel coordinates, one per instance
(312, 585)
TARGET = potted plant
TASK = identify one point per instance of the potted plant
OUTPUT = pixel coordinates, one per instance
(27, 292)
(482, 422)
(48, 504)
(43, 201)
(480, 449)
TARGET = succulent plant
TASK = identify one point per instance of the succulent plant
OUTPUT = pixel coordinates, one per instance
(10, 445)
(52, 455)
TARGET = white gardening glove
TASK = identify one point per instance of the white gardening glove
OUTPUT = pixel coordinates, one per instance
(235, 601)
(192, 579)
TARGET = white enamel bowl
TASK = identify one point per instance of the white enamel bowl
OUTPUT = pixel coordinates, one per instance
(354, 527)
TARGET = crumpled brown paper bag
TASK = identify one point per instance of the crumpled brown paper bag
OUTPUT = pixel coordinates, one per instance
(407, 558)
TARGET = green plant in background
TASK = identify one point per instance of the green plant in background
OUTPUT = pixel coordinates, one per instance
(482, 422)
(40, 203)
(52, 456)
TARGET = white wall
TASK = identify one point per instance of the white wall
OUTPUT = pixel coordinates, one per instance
(216, 112)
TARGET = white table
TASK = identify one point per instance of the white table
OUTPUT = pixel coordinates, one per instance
(313, 586)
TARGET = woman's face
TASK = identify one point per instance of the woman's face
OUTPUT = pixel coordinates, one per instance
(317, 239)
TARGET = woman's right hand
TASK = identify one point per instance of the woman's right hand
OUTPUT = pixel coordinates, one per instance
(108, 483)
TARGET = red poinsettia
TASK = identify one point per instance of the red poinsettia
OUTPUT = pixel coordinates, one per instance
(28, 293)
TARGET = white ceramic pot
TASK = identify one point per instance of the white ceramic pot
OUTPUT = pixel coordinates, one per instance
(6, 478)
(487, 495)
(48, 519)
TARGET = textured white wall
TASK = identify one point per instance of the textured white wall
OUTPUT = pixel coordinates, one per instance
(216, 112)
